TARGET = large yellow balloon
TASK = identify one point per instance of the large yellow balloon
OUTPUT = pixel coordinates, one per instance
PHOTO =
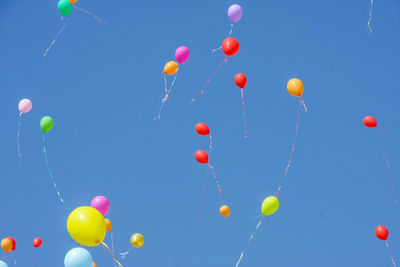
(137, 240)
(171, 68)
(270, 205)
(87, 226)
(6, 245)
(225, 210)
(295, 87)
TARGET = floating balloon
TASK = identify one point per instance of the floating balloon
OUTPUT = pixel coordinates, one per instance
(78, 257)
(94, 264)
(108, 225)
(370, 122)
(25, 105)
(101, 203)
(202, 128)
(270, 205)
(182, 54)
(137, 240)
(73, 1)
(240, 80)
(225, 211)
(13, 242)
(37, 242)
(65, 7)
(201, 156)
(3, 264)
(86, 225)
(171, 68)
(381, 232)
(230, 46)
(46, 123)
(6, 245)
(295, 87)
(235, 13)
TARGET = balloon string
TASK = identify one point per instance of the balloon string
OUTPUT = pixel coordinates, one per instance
(231, 29)
(123, 254)
(248, 242)
(210, 149)
(209, 80)
(390, 254)
(90, 14)
(55, 39)
(51, 174)
(18, 134)
(370, 16)
(203, 196)
(36, 258)
(104, 245)
(244, 114)
(215, 179)
(112, 246)
(167, 93)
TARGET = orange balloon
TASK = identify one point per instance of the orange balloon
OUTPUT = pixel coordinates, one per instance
(6, 245)
(295, 87)
(108, 225)
(225, 211)
(73, 1)
(94, 264)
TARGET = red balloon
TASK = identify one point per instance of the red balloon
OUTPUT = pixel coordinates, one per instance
(202, 129)
(230, 46)
(201, 156)
(37, 242)
(370, 122)
(381, 232)
(14, 244)
(240, 80)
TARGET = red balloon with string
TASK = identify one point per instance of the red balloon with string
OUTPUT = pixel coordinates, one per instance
(202, 128)
(230, 46)
(37, 242)
(240, 80)
(201, 156)
(370, 122)
(381, 232)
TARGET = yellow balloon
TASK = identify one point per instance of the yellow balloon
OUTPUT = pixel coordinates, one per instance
(171, 68)
(87, 226)
(6, 245)
(225, 210)
(270, 205)
(137, 240)
(295, 87)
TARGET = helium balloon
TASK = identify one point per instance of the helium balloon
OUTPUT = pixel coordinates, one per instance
(13, 242)
(295, 87)
(202, 129)
(65, 7)
(171, 68)
(46, 123)
(73, 1)
(240, 80)
(201, 156)
(94, 264)
(37, 242)
(225, 211)
(230, 46)
(25, 105)
(381, 232)
(137, 240)
(370, 122)
(78, 257)
(3, 264)
(6, 245)
(270, 205)
(182, 54)
(86, 226)
(101, 203)
(108, 225)
(235, 13)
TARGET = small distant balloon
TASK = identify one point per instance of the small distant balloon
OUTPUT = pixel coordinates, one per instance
(25, 105)
(3, 264)
(202, 128)
(230, 46)
(240, 80)
(225, 210)
(108, 225)
(37, 242)
(46, 124)
(270, 205)
(182, 54)
(295, 87)
(101, 203)
(73, 1)
(78, 257)
(6, 245)
(13, 242)
(201, 156)
(381, 232)
(370, 122)
(137, 240)
(235, 13)
(171, 68)
(94, 264)
(65, 7)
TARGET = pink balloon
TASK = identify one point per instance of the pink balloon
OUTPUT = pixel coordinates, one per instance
(182, 54)
(101, 204)
(25, 105)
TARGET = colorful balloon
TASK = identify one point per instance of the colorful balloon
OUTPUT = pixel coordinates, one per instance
(13, 242)
(171, 68)
(37, 242)
(240, 80)
(182, 54)
(3, 264)
(87, 226)
(46, 123)
(78, 257)
(225, 210)
(65, 7)
(101, 203)
(6, 245)
(94, 264)
(202, 128)
(108, 225)
(73, 1)
(235, 13)
(137, 240)
(381, 232)
(25, 105)
(270, 205)
(295, 87)
(230, 46)
(370, 122)
(201, 156)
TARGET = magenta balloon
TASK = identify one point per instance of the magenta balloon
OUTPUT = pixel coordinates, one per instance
(235, 13)
(25, 105)
(101, 204)
(182, 54)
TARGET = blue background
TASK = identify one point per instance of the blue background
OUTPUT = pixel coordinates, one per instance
(102, 85)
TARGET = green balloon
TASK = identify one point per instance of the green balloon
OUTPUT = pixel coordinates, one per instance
(65, 7)
(46, 123)
(270, 205)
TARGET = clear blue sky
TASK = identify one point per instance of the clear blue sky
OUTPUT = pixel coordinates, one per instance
(102, 85)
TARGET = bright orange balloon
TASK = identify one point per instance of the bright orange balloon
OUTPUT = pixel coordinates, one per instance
(225, 210)
(171, 68)
(6, 245)
(108, 225)
(295, 87)
(94, 264)
(73, 1)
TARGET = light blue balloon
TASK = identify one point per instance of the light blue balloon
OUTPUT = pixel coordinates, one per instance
(77, 257)
(3, 264)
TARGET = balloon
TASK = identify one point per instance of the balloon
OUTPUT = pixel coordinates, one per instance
(6, 245)
(94, 264)
(171, 68)
(65, 7)
(3, 264)
(370, 122)
(137, 240)
(108, 225)
(14, 244)
(182, 54)
(101, 203)
(201, 156)
(295, 87)
(25, 105)
(235, 13)
(381, 232)
(225, 211)
(37, 242)
(73, 1)
(270, 205)
(230, 46)
(240, 80)
(86, 226)
(46, 123)
(202, 129)
(78, 257)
